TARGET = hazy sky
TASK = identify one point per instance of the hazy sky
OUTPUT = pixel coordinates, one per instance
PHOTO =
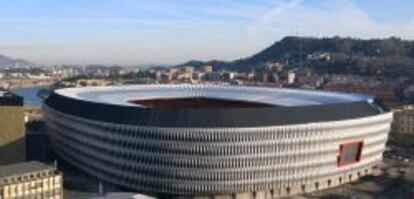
(134, 32)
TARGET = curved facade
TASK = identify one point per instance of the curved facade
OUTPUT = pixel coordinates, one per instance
(236, 158)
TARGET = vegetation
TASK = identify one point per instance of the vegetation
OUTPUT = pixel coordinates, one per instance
(390, 57)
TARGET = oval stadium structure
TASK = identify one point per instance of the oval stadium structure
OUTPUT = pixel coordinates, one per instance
(215, 141)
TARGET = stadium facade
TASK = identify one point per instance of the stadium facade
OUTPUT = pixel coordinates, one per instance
(214, 141)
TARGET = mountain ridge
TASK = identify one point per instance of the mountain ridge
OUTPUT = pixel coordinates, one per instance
(358, 55)
(8, 62)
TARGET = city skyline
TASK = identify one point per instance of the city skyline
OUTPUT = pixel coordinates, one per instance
(169, 32)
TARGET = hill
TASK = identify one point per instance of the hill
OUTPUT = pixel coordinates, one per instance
(7, 62)
(388, 57)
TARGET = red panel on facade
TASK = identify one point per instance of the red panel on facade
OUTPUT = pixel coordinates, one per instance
(350, 152)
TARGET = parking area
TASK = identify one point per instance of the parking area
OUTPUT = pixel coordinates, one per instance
(400, 154)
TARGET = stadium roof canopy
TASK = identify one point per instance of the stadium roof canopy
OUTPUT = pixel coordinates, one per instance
(209, 105)
(124, 95)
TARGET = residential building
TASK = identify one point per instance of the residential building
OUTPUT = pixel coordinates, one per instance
(30, 180)
(403, 126)
(291, 77)
(208, 69)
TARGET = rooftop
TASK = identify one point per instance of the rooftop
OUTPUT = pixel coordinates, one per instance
(22, 168)
(8, 98)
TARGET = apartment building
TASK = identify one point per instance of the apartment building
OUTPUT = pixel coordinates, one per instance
(30, 180)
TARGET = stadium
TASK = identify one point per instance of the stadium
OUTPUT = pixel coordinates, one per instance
(217, 141)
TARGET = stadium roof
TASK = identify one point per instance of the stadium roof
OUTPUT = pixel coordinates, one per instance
(123, 95)
(258, 106)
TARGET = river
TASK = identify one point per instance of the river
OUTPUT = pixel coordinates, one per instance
(30, 95)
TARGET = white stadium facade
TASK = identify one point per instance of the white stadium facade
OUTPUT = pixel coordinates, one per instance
(216, 141)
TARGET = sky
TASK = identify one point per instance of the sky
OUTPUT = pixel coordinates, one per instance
(154, 32)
